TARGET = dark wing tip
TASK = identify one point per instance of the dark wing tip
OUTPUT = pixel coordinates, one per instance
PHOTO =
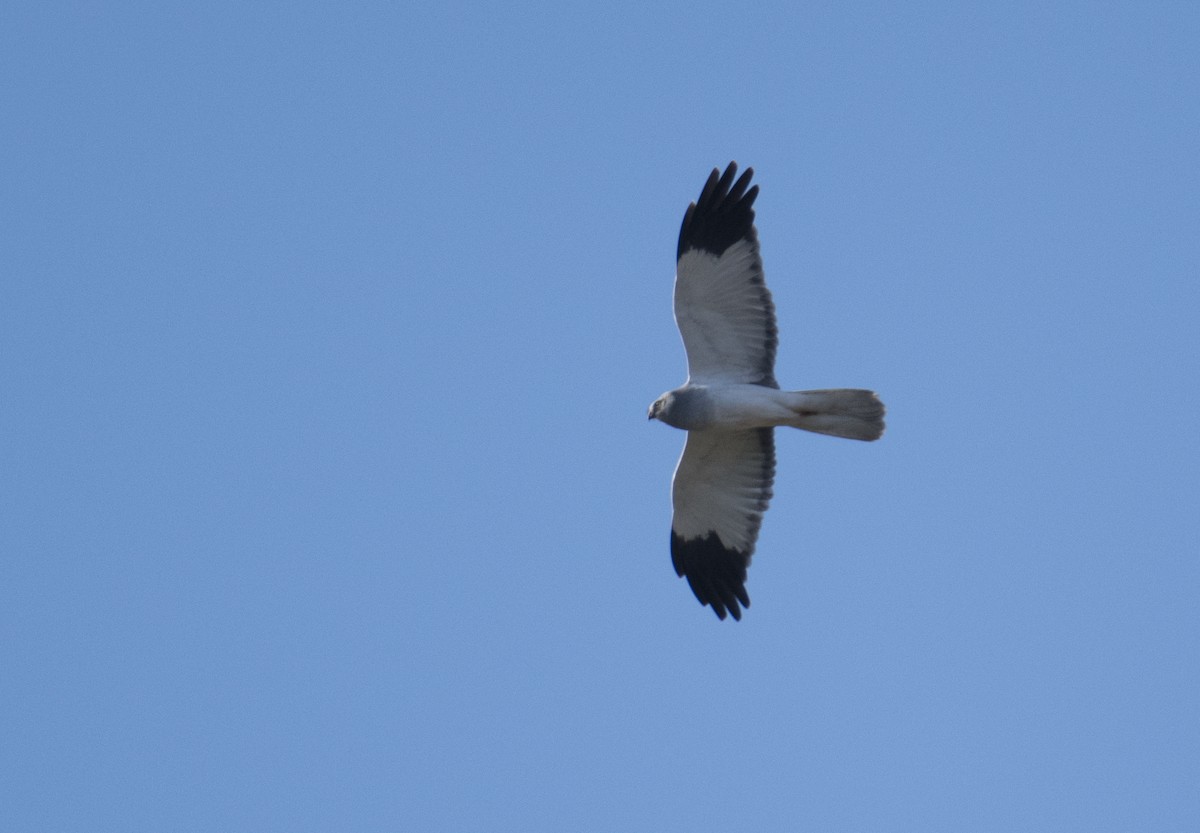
(722, 216)
(716, 573)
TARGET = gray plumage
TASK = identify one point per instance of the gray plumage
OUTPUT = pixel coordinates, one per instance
(731, 402)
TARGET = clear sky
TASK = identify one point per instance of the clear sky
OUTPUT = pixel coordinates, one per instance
(327, 495)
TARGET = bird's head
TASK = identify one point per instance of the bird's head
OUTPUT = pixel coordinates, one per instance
(669, 408)
(657, 407)
(687, 407)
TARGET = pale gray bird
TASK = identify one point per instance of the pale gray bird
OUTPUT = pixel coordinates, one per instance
(731, 402)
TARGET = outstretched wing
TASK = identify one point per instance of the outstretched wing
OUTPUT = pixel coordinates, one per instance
(722, 487)
(722, 306)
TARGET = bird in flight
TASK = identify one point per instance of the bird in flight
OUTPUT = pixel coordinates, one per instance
(731, 403)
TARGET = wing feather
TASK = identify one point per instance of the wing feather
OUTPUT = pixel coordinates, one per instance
(722, 305)
(721, 489)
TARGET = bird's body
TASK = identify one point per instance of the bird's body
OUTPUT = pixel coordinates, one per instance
(736, 407)
(731, 402)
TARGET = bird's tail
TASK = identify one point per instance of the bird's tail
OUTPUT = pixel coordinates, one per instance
(843, 412)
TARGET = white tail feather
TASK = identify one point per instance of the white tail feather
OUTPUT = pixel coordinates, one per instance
(841, 412)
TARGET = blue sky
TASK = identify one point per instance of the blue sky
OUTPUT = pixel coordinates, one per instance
(327, 333)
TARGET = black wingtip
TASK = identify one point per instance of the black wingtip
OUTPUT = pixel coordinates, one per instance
(723, 215)
(716, 573)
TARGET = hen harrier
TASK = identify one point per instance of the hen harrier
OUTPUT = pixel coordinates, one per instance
(731, 402)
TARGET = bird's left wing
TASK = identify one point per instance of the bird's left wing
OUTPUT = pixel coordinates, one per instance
(721, 489)
(722, 306)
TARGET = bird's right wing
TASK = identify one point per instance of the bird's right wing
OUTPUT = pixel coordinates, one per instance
(721, 489)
